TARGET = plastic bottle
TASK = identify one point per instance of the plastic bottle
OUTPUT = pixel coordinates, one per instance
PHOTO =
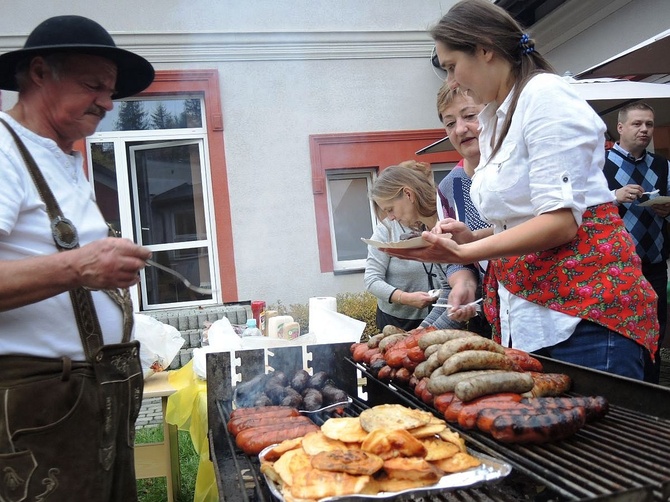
(251, 329)
(257, 308)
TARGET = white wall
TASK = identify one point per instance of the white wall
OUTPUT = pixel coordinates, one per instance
(287, 69)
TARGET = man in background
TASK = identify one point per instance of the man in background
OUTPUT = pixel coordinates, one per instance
(636, 176)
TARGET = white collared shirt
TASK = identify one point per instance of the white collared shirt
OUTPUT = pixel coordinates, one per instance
(552, 158)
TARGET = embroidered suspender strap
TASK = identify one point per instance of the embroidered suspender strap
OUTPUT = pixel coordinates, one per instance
(65, 236)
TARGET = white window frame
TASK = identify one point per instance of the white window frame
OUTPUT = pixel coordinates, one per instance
(119, 139)
(347, 174)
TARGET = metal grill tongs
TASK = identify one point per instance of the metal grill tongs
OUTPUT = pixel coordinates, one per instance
(184, 280)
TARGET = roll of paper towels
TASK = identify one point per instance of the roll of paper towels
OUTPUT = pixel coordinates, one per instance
(317, 320)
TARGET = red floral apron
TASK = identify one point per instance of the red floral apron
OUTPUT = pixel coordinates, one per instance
(597, 276)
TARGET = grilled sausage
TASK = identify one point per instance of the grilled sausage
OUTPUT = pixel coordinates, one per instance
(594, 407)
(402, 375)
(549, 384)
(358, 351)
(442, 402)
(525, 361)
(420, 386)
(468, 413)
(394, 356)
(448, 349)
(477, 360)
(531, 427)
(440, 383)
(252, 441)
(266, 411)
(416, 354)
(237, 425)
(443, 335)
(481, 385)
(391, 340)
(428, 351)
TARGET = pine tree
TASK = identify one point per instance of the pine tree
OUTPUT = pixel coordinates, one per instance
(132, 117)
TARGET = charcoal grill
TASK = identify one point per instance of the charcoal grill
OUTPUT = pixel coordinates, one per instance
(622, 457)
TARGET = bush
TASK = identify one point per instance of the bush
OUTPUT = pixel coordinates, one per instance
(360, 306)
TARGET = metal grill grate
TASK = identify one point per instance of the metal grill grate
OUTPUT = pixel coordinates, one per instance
(622, 457)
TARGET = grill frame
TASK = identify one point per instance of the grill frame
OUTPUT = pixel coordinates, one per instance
(560, 469)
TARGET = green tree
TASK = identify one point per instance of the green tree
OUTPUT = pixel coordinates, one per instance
(191, 116)
(161, 118)
(132, 117)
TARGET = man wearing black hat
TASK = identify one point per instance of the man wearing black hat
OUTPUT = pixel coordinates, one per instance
(70, 377)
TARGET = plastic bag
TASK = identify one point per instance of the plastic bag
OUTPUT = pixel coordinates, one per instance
(159, 343)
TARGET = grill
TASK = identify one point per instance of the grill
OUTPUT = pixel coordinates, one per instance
(622, 457)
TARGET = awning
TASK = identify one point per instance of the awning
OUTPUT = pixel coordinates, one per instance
(606, 96)
(647, 58)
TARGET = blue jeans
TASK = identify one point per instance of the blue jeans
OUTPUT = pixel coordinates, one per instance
(597, 347)
(657, 275)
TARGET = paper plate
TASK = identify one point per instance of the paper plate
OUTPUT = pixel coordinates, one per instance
(416, 242)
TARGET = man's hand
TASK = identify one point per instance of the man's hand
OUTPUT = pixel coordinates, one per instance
(662, 210)
(110, 263)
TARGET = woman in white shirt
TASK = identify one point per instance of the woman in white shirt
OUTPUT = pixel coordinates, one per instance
(563, 277)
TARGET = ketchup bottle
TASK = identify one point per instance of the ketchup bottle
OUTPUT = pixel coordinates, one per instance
(257, 308)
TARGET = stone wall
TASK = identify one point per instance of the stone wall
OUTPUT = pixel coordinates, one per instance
(191, 322)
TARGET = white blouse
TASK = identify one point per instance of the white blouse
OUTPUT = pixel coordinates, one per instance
(552, 158)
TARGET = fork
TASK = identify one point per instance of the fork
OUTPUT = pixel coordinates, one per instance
(653, 192)
(184, 280)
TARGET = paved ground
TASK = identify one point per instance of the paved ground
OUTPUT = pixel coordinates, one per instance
(150, 413)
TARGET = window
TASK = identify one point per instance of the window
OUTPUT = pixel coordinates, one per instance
(150, 167)
(343, 169)
(351, 214)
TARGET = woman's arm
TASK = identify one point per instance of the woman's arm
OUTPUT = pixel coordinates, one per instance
(540, 233)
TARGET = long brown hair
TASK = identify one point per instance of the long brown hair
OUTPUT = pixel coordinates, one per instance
(479, 23)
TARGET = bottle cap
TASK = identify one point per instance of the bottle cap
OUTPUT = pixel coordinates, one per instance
(251, 322)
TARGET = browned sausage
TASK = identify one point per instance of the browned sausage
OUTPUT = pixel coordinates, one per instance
(549, 384)
(595, 407)
(442, 401)
(533, 427)
(448, 349)
(439, 384)
(243, 423)
(252, 441)
(494, 383)
(477, 360)
(443, 335)
(467, 416)
(358, 352)
(285, 411)
(525, 361)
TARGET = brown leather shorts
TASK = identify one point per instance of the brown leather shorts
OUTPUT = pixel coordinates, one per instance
(67, 429)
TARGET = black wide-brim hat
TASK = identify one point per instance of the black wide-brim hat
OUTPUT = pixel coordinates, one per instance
(79, 35)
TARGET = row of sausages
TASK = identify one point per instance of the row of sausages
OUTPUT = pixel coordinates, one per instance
(256, 428)
(506, 391)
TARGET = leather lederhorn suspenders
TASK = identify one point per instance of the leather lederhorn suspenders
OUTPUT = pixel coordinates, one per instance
(65, 236)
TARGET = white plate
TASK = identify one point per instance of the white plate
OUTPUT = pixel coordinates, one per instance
(416, 242)
(489, 470)
(661, 199)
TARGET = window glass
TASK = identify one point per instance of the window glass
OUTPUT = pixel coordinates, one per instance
(351, 217)
(153, 114)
